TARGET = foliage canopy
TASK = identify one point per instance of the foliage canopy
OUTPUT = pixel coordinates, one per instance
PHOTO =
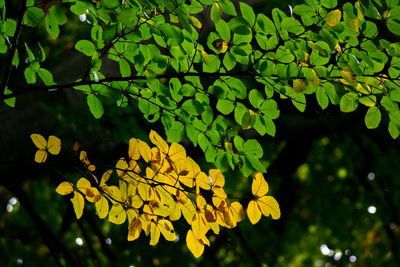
(211, 73)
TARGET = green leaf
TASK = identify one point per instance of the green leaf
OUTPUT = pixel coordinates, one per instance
(86, 47)
(45, 76)
(329, 3)
(253, 148)
(393, 22)
(372, 118)
(223, 30)
(292, 25)
(110, 4)
(213, 64)
(322, 97)
(239, 143)
(256, 164)
(349, 102)
(10, 27)
(10, 101)
(256, 98)
(299, 101)
(192, 107)
(225, 106)
(228, 7)
(127, 16)
(229, 61)
(393, 130)
(30, 75)
(33, 16)
(95, 106)
(264, 25)
(175, 132)
(247, 13)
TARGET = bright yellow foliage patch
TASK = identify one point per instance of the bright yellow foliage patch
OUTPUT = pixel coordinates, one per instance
(156, 186)
(261, 204)
(52, 146)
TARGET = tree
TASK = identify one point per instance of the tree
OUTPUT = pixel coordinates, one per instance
(212, 76)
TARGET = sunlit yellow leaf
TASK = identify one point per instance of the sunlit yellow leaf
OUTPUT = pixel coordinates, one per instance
(105, 178)
(133, 151)
(217, 183)
(102, 207)
(176, 152)
(39, 141)
(65, 188)
(253, 212)
(40, 156)
(333, 17)
(135, 201)
(238, 212)
(54, 145)
(154, 233)
(114, 193)
(259, 187)
(84, 159)
(199, 225)
(158, 141)
(194, 245)
(203, 181)
(145, 150)
(348, 77)
(366, 89)
(204, 56)
(196, 22)
(135, 227)
(93, 194)
(85, 187)
(167, 229)
(269, 206)
(117, 214)
(78, 202)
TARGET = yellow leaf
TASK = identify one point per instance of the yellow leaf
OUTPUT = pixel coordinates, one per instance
(135, 201)
(269, 206)
(338, 48)
(133, 151)
(366, 89)
(40, 156)
(117, 214)
(78, 202)
(54, 145)
(238, 212)
(259, 186)
(194, 245)
(158, 141)
(204, 56)
(105, 178)
(39, 141)
(135, 227)
(299, 86)
(176, 152)
(154, 234)
(145, 150)
(102, 207)
(167, 229)
(113, 192)
(199, 225)
(84, 159)
(93, 195)
(348, 77)
(196, 22)
(65, 188)
(253, 212)
(333, 17)
(217, 183)
(85, 187)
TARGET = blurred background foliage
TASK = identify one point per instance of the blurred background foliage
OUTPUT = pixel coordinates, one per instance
(337, 183)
